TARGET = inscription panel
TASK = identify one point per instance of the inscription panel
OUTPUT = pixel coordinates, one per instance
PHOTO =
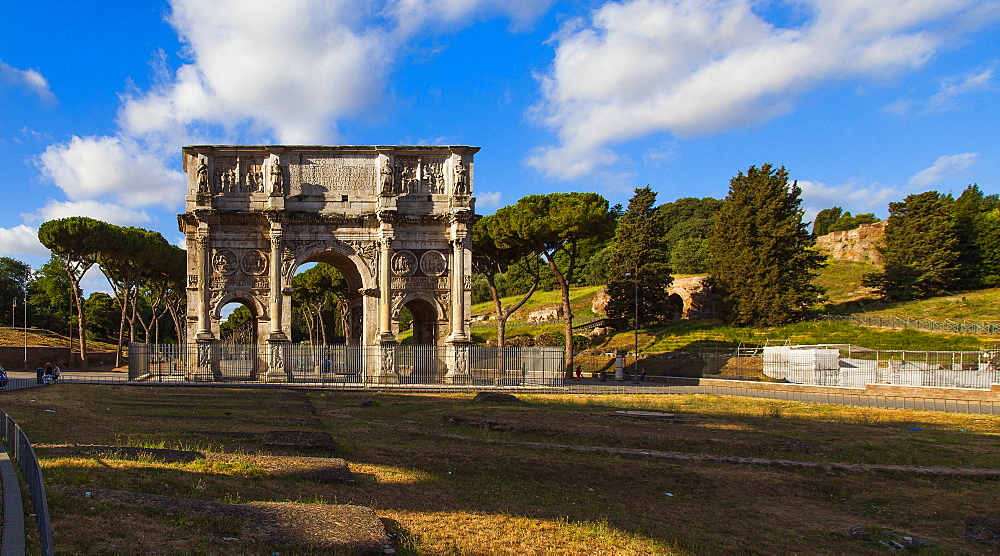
(420, 283)
(316, 175)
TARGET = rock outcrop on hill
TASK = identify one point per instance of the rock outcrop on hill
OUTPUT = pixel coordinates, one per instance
(860, 244)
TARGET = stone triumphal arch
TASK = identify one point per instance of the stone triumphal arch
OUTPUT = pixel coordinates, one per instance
(395, 220)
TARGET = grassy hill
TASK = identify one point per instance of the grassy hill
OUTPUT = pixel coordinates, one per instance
(841, 279)
(580, 300)
(41, 337)
(980, 305)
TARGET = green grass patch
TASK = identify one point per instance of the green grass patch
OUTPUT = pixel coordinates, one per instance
(842, 280)
(580, 299)
(980, 305)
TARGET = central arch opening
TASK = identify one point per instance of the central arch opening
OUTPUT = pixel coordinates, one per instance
(327, 306)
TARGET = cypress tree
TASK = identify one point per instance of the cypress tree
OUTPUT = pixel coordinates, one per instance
(640, 252)
(922, 252)
(761, 254)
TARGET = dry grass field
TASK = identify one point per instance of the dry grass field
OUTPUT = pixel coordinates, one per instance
(548, 475)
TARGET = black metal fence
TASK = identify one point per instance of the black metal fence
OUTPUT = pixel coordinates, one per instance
(346, 365)
(20, 450)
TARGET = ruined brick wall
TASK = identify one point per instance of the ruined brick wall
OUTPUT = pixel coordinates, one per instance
(860, 244)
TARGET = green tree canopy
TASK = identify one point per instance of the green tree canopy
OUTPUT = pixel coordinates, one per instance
(315, 291)
(235, 328)
(554, 225)
(762, 257)
(14, 276)
(102, 316)
(974, 231)
(76, 240)
(686, 218)
(127, 257)
(825, 217)
(50, 297)
(639, 273)
(690, 256)
(492, 258)
(849, 222)
(921, 255)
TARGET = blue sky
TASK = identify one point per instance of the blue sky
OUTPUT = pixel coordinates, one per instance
(864, 102)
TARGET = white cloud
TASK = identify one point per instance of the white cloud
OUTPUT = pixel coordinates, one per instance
(291, 69)
(690, 67)
(943, 167)
(21, 241)
(488, 200)
(95, 281)
(851, 196)
(411, 15)
(29, 78)
(108, 212)
(111, 167)
(260, 70)
(944, 99)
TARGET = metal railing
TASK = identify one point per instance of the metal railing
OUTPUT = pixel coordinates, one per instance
(850, 366)
(20, 450)
(819, 365)
(954, 326)
(346, 365)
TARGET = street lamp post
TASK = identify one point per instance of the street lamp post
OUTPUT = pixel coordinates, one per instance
(27, 276)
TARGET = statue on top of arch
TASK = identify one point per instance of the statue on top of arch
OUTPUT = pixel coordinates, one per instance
(461, 178)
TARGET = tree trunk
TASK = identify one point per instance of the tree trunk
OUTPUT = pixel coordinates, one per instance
(176, 317)
(504, 315)
(80, 323)
(567, 312)
(322, 323)
(121, 334)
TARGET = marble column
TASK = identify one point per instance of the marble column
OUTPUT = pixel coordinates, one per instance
(275, 278)
(204, 289)
(384, 286)
(458, 332)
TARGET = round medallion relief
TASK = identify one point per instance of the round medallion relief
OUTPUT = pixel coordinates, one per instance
(254, 262)
(404, 263)
(225, 262)
(433, 263)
